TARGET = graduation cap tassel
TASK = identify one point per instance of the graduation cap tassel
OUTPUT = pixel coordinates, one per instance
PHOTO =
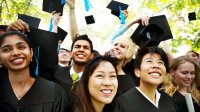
(63, 2)
(87, 5)
(121, 16)
(37, 50)
(51, 21)
(51, 25)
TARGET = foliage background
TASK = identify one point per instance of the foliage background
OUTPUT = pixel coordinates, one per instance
(185, 32)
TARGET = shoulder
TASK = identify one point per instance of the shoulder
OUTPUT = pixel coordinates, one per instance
(165, 99)
(127, 95)
(48, 85)
(61, 72)
(164, 95)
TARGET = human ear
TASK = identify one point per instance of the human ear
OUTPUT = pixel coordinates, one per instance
(137, 72)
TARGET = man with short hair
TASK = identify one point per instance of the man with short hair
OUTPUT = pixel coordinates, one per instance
(81, 54)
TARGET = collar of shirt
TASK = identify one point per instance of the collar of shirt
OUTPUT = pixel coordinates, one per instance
(62, 65)
(157, 96)
(72, 72)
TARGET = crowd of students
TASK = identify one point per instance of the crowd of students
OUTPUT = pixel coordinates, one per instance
(86, 81)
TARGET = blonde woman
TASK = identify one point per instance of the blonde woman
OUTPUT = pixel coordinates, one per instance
(184, 78)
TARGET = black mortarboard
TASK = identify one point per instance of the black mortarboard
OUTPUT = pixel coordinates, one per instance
(192, 16)
(31, 21)
(53, 5)
(48, 57)
(89, 19)
(61, 34)
(158, 30)
(114, 7)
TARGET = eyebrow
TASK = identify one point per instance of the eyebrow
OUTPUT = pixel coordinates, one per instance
(6, 45)
(152, 58)
(104, 72)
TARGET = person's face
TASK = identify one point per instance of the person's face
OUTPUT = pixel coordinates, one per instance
(81, 51)
(184, 75)
(103, 84)
(119, 50)
(15, 53)
(64, 55)
(152, 70)
(193, 56)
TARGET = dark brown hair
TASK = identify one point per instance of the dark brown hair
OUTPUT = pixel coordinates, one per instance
(83, 102)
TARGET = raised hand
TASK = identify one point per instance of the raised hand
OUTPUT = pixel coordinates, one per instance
(55, 18)
(19, 25)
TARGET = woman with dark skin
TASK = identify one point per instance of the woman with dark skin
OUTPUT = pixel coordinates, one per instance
(19, 90)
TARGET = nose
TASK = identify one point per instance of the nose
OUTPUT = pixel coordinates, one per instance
(155, 65)
(107, 81)
(81, 48)
(15, 52)
(189, 76)
(116, 46)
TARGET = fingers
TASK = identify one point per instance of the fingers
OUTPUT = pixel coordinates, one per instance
(56, 17)
(71, 3)
(19, 25)
(53, 12)
(125, 12)
(24, 26)
(145, 20)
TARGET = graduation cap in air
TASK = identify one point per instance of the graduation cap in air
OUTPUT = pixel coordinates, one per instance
(44, 44)
(89, 19)
(61, 34)
(158, 30)
(114, 7)
(31, 21)
(192, 16)
(53, 5)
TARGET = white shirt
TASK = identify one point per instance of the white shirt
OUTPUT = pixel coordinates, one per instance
(72, 72)
(157, 97)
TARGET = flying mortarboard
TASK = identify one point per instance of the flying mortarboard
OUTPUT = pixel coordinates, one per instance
(53, 5)
(48, 43)
(61, 34)
(192, 16)
(31, 21)
(89, 19)
(158, 30)
(114, 7)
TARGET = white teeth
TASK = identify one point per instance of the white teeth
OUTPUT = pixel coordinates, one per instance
(116, 53)
(80, 55)
(106, 91)
(17, 60)
(155, 74)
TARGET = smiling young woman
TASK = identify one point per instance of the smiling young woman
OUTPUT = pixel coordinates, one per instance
(97, 86)
(151, 67)
(184, 78)
(19, 90)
